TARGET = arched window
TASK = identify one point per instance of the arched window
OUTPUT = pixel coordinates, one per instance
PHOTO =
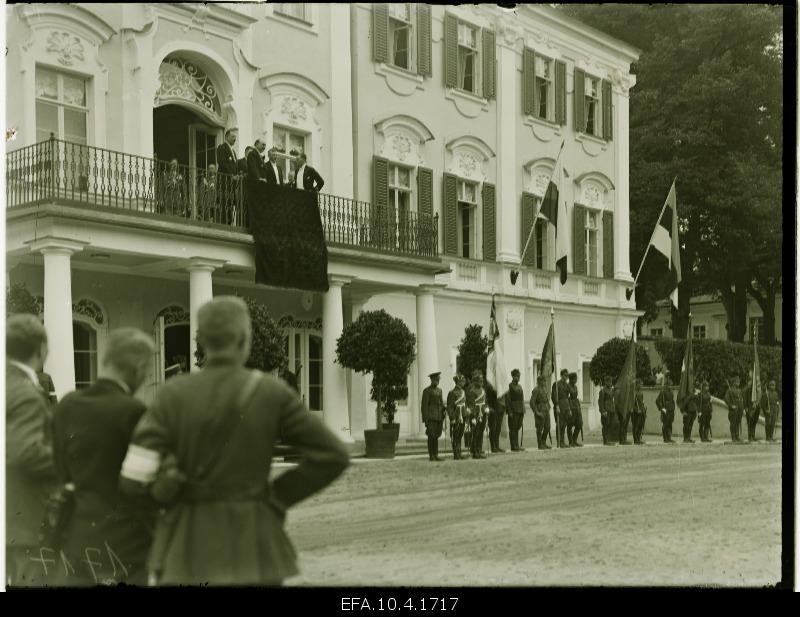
(84, 341)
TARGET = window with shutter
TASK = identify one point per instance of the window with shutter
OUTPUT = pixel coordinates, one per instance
(450, 214)
(489, 223)
(380, 202)
(561, 93)
(579, 239)
(591, 250)
(488, 64)
(579, 100)
(450, 51)
(424, 44)
(380, 32)
(608, 245)
(529, 201)
(528, 81)
(425, 225)
(607, 121)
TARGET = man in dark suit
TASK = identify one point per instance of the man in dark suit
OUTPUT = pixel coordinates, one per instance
(306, 177)
(226, 155)
(256, 169)
(433, 414)
(274, 170)
(228, 166)
(219, 427)
(30, 474)
(108, 535)
(48, 387)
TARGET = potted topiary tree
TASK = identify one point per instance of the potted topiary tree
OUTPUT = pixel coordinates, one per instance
(383, 345)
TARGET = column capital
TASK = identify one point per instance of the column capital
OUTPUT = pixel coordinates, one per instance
(339, 280)
(509, 32)
(429, 289)
(622, 82)
(52, 245)
(202, 264)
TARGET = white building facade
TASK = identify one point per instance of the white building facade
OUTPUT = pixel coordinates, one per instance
(443, 122)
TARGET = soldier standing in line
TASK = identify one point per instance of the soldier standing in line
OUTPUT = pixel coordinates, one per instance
(456, 411)
(576, 419)
(495, 419)
(516, 411)
(688, 407)
(560, 397)
(607, 410)
(733, 398)
(433, 411)
(771, 405)
(540, 404)
(639, 414)
(666, 405)
(705, 408)
(479, 411)
(752, 409)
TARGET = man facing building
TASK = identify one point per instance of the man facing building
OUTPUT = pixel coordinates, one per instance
(495, 419)
(704, 409)
(516, 411)
(540, 405)
(433, 414)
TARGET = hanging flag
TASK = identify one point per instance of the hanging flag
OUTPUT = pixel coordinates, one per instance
(686, 387)
(624, 388)
(755, 390)
(554, 209)
(666, 242)
(495, 365)
(548, 362)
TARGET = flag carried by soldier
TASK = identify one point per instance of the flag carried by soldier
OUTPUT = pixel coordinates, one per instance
(686, 388)
(495, 365)
(626, 382)
(755, 390)
(665, 260)
(547, 366)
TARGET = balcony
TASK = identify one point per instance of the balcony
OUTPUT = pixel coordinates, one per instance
(94, 178)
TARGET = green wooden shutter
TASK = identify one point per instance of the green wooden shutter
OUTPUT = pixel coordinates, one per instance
(380, 32)
(450, 51)
(561, 93)
(449, 214)
(380, 202)
(529, 94)
(579, 101)
(424, 45)
(606, 94)
(579, 239)
(425, 226)
(608, 245)
(489, 223)
(489, 64)
(528, 221)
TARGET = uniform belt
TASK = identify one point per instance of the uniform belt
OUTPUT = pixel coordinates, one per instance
(206, 493)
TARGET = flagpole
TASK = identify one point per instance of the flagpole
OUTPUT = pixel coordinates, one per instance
(530, 233)
(555, 375)
(649, 244)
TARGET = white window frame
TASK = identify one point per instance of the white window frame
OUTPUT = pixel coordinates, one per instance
(92, 353)
(597, 129)
(396, 190)
(285, 158)
(396, 22)
(699, 331)
(550, 99)
(61, 104)
(656, 331)
(597, 230)
(284, 9)
(474, 207)
(462, 50)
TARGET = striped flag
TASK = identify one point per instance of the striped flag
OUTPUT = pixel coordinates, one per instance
(554, 209)
(666, 242)
(548, 362)
(495, 364)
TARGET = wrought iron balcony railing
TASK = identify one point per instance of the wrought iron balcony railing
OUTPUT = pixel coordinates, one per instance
(57, 170)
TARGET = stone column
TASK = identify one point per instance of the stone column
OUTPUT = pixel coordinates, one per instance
(507, 106)
(341, 169)
(622, 265)
(427, 355)
(60, 361)
(335, 408)
(200, 292)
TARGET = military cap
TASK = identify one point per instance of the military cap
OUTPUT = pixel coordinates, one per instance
(564, 372)
(515, 372)
(435, 374)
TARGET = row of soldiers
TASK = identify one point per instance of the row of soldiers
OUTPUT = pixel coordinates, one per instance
(470, 407)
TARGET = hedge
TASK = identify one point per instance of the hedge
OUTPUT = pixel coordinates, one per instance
(610, 358)
(717, 360)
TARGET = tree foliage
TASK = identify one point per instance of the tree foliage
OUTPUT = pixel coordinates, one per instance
(473, 351)
(381, 344)
(20, 300)
(610, 358)
(707, 109)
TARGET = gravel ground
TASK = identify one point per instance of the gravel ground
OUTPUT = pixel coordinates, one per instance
(650, 515)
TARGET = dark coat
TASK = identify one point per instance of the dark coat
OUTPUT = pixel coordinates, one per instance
(457, 405)
(574, 401)
(220, 531)
(433, 409)
(539, 402)
(705, 404)
(91, 432)
(30, 473)
(606, 401)
(515, 399)
(226, 159)
(560, 397)
(48, 387)
(666, 400)
(256, 170)
(270, 173)
(312, 181)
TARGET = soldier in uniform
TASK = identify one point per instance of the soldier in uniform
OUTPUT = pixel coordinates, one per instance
(495, 419)
(607, 410)
(639, 414)
(771, 406)
(540, 404)
(433, 411)
(704, 408)
(456, 411)
(516, 411)
(476, 402)
(752, 409)
(733, 398)
(666, 405)
(560, 397)
(688, 407)
(576, 419)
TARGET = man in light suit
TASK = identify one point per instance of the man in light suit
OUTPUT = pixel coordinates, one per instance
(30, 472)
(307, 178)
(274, 173)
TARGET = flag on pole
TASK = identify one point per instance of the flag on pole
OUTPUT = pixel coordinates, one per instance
(686, 387)
(666, 243)
(548, 362)
(495, 365)
(554, 209)
(624, 388)
(755, 390)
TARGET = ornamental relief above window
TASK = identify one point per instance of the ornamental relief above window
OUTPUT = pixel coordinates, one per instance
(182, 80)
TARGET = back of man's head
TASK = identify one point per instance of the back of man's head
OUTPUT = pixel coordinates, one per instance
(128, 354)
(223, 326)
(25, 335)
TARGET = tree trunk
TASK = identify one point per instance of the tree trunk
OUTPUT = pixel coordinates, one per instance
(379, 412)
(766, 301)
(680, 318)
(739, 329)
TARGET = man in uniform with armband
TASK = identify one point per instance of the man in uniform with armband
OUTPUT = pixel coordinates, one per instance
(457, 412)
(476, 402)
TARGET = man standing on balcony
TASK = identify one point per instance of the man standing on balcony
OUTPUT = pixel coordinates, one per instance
(307, 178)
(226, 155)
(274, 173)
(228, 165)
(256, 169)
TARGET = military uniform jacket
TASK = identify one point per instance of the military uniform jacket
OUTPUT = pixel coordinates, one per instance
(491, 398)
(638, 403)
(457, 405)
(476, 401)
(432, 404)
(540, 403)
(560, 397)
(574, 401)
(606, 401)
(770, 403)
(704, 401)
(690, 404)
(515, 398)
(666, 400)
(733, 398)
